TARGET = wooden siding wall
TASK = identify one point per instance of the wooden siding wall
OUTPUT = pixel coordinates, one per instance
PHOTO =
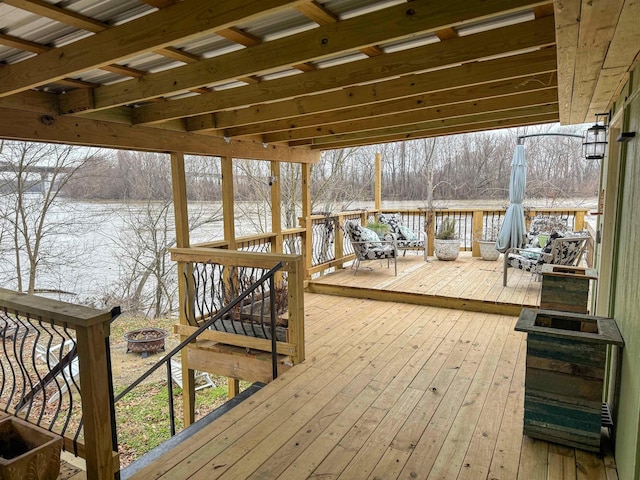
(626, 283)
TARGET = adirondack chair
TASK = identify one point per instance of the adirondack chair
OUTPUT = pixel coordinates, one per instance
(406, 239)
(69, 375)
(202, 379)
(558, 251)
(368, 246)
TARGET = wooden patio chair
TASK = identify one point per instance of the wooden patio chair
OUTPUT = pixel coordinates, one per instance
(368, 246)
(406, 239)
(544, 225)
(558, 251)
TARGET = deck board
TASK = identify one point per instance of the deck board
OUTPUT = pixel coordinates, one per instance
(387, 391)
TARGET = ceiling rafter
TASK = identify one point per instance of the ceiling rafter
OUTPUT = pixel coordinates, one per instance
(470, 119)
(418, 116)
(437, 132)
(409, 86)
(534, 34)
(430, 68)
(83, 22)
(69, 17)
(395, 22)
(159, 29)
(380, 109)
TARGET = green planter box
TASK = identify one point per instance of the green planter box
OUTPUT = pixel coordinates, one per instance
(566, 357)
(566, 288)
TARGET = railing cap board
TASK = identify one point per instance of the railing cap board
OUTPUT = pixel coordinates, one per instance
(293, 231)
(234, 258)
(49, 309)
(257, 236)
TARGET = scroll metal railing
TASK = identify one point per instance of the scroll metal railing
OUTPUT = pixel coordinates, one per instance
(54, 359)
(331, 250)
(220, 309)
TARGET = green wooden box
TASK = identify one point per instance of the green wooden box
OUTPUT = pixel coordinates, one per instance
(566, 356)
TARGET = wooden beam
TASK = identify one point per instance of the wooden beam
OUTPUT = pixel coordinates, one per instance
(598, 22)
(276, 207)
(621, 58)
(62, 15)
(236, 35)
(391, 23)
(410, 86)
(567, 17)
(177, 22)
(450, 126)
(307, 249)
(30, 126)
(428, 100)
(21, 44)
(417, 118)
(537, 33)
(32, 101)
(477, 127)
(228, 202)
(378, 183)
(181, 213)
(318, 13)
(69, 17)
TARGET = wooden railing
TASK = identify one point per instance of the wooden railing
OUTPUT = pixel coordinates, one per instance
(48, 346)
(331, 249)
(210, 277)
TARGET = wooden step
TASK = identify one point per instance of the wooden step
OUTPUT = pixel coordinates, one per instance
(235, 362)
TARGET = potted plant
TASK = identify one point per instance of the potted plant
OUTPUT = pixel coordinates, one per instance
(447, 243)
(486, 238)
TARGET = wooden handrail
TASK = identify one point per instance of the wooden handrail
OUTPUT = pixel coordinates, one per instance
(233, 257)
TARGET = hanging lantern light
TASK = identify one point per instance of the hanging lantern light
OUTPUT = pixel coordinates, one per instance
(595, 138)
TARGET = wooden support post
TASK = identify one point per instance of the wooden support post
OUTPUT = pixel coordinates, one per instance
(579, 222)
(233, 387)
(476, 232)
(430, 222)
(378, 185)
(307, 250)
(296, 309)
(229, 225)
(339, 241)
(96, 412)
(228, 202)
(185, 282)
(276, 208)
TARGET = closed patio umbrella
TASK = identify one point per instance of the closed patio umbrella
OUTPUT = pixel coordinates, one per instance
(513, 227)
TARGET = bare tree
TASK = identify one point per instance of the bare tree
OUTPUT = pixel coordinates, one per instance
(148, 282)
(34, 214)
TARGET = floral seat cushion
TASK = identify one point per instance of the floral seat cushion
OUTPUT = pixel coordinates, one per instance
(405, 237)
(366, 242)
(561, 253)
(546, 226)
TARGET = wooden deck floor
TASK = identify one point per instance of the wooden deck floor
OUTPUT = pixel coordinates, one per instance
(468, 283)
(388, 390)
